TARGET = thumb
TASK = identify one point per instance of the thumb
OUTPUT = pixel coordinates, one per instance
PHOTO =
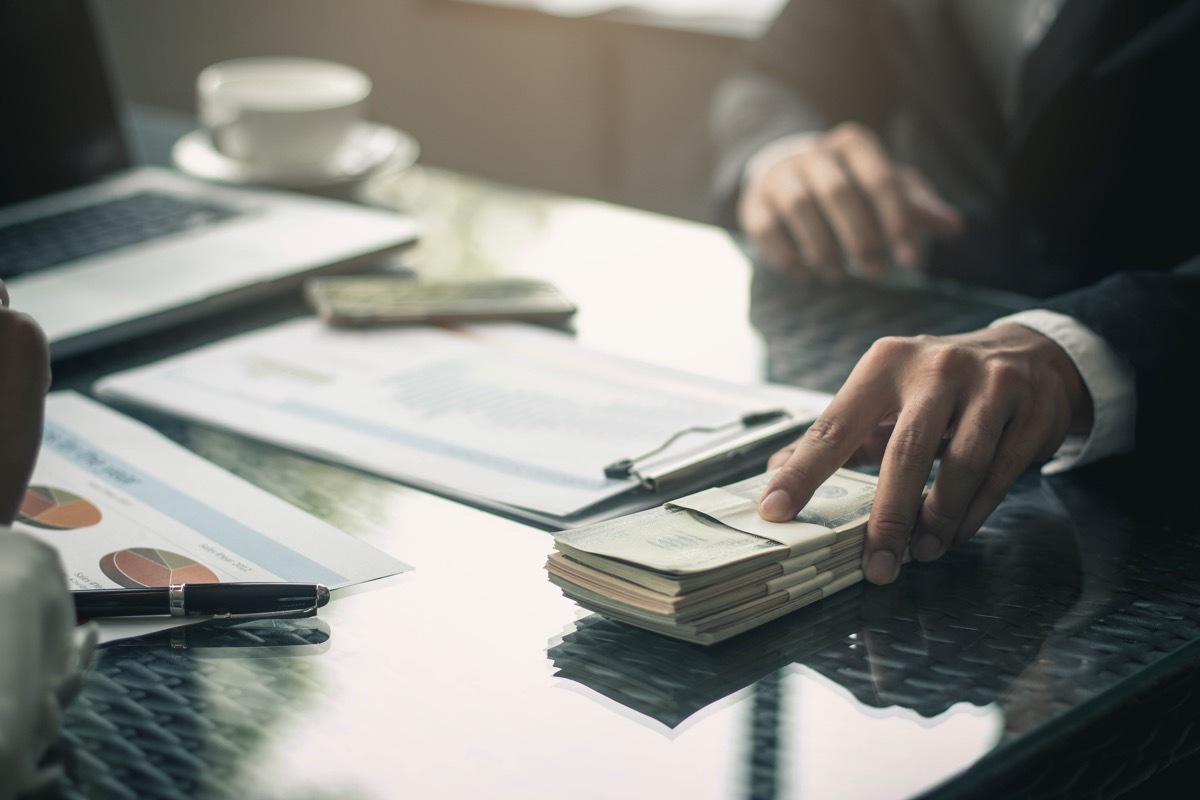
(934, 213)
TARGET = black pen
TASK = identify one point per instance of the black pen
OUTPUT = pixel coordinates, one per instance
(219, 600)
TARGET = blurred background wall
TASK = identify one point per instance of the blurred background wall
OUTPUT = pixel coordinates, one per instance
(609, 105)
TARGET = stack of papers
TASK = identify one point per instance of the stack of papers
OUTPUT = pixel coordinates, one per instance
(513, 418)
(706, 567)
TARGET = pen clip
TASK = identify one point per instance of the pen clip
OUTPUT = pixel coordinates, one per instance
(628, 467)
(298, 613)
(206, 606)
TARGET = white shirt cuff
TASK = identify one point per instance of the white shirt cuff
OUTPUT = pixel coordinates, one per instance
(1109, 380)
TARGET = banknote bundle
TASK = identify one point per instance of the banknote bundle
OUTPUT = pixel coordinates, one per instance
(706, 567)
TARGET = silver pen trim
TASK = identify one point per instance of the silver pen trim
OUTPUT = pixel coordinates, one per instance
(175, 600)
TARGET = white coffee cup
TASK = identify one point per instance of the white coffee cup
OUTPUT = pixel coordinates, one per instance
(285, 115)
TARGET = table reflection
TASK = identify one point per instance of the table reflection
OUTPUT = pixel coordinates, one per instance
(670, 680)
(1047, 607)
(178, 712)
(964, 629)
(471, 676)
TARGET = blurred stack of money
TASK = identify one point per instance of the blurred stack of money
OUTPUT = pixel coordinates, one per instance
(706, 567)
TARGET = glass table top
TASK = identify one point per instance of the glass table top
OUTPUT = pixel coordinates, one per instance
(1009, 663)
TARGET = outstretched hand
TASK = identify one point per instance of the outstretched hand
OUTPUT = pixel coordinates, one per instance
(989, 403)
(838, 201)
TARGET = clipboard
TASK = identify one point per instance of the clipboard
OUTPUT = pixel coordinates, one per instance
(517, 419)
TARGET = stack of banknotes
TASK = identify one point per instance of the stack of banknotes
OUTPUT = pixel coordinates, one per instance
(706, 567)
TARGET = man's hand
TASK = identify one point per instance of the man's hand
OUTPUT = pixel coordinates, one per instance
(24, 379)
(990, 403)
(839, 200)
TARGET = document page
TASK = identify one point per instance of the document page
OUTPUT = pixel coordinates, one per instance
(126, 507)
(510, 414)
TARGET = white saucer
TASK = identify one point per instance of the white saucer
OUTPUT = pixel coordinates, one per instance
(371, 148)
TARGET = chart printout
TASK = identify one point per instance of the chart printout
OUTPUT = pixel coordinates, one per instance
(127, 508)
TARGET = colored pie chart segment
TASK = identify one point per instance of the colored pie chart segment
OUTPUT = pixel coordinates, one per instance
(142, 567)
(56, 509)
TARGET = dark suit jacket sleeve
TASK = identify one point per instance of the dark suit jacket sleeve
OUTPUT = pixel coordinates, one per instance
(819, 62)
(1153, 320)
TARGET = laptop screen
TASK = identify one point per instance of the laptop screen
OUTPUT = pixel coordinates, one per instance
(60, 125)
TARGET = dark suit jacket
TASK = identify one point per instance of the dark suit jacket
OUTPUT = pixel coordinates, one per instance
(1086, 197)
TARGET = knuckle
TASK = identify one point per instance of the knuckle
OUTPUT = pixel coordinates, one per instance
(889, 347)
(793, 474)
(1003, 376)
(882, 183)
(947, 360)
(890, 527)
(850, 132)
(887, 352)
(799, 204)
(981, 432)
(973, 458)
(825, 433)
(912, 446)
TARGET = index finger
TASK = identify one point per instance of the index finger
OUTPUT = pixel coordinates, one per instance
(869, 164)
(828, 444)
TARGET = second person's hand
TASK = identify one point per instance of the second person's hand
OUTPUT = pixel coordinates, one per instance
(838, 200)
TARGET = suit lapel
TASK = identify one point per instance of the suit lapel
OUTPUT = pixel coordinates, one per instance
(1082, 28)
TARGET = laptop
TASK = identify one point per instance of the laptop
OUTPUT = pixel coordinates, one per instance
(98, 250)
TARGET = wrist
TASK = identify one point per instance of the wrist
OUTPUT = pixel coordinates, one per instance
(1046, 350)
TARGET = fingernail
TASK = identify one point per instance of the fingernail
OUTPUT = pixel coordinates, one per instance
(881, 567)
(776, 506)
(926, 547)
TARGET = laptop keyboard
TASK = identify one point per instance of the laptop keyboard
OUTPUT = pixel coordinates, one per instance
(122, 222)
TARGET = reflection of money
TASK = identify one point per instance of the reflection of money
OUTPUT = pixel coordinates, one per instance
(670, 680)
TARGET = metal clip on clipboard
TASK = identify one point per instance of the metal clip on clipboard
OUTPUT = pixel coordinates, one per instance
(662, 475)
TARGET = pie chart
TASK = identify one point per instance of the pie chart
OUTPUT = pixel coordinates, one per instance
(142, 567)
(56, 509)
